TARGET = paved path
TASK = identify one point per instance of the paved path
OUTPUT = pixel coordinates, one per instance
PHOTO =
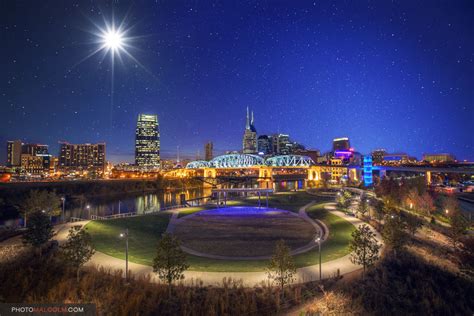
(60, 233)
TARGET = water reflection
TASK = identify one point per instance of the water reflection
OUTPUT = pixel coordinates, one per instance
(142, 204)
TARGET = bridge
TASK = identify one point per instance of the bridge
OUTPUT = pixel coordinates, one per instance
(300, 170)
(255, 170)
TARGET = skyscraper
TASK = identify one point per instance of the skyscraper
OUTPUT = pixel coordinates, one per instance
(147, 141)
(34, 149)
(249, 142)
(82, 156)
(14, 148)
(281, 144)
(208, 151)
(341, 144)
(264, 145)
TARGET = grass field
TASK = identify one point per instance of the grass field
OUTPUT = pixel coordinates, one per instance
(144, 232)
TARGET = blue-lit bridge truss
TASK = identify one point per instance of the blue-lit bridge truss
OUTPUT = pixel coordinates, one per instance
(246, 161)
(198, 164)
(236, 161)
(289, 161)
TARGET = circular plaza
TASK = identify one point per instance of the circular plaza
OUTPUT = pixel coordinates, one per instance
(244, 232)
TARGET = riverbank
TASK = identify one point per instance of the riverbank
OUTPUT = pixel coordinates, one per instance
(80, 193)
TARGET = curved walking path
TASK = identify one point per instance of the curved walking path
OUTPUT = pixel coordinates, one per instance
(310, 273)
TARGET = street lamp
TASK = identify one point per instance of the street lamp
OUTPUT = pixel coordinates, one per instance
(88, 207)
(318, 240)
(125, 235)
(63, 199)
(447, 211)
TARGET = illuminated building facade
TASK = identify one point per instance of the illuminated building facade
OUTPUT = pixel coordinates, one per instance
(30, 158)
(33, 164)
(14, 148)
(264, 144)
(377, 155)
(208, 150)
(311, 153)
(437, 158)
(81, 156)
(147, 141)
(395, 159)
(342, 144)
(282, 145)
(368, 181)
(249, 141)
(34, 149)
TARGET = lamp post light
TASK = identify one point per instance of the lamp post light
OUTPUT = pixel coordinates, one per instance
(88, 207)
(318, 240)
(125, 235)
(446, 211)
(63, 199)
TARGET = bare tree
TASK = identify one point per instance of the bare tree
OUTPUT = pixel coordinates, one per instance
(281, 268)
(170, 261)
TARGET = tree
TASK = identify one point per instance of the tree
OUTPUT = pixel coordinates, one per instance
(425, 203)
(413, 223)
(38, 201)
(39, 231)
(459, 226)
(364, 247)
(412, 199)
(450, 204)
(281, 268)
(393, 232)
(363, 206)
(78, 248)
(170, 261)
(344, 200)
(378, 208)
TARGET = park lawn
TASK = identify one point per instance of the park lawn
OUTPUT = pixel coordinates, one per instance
(144, 233)
(340, 230)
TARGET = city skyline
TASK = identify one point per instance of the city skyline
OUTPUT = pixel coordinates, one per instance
(392, 79)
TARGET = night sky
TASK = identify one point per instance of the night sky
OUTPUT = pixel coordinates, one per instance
(396, 75)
